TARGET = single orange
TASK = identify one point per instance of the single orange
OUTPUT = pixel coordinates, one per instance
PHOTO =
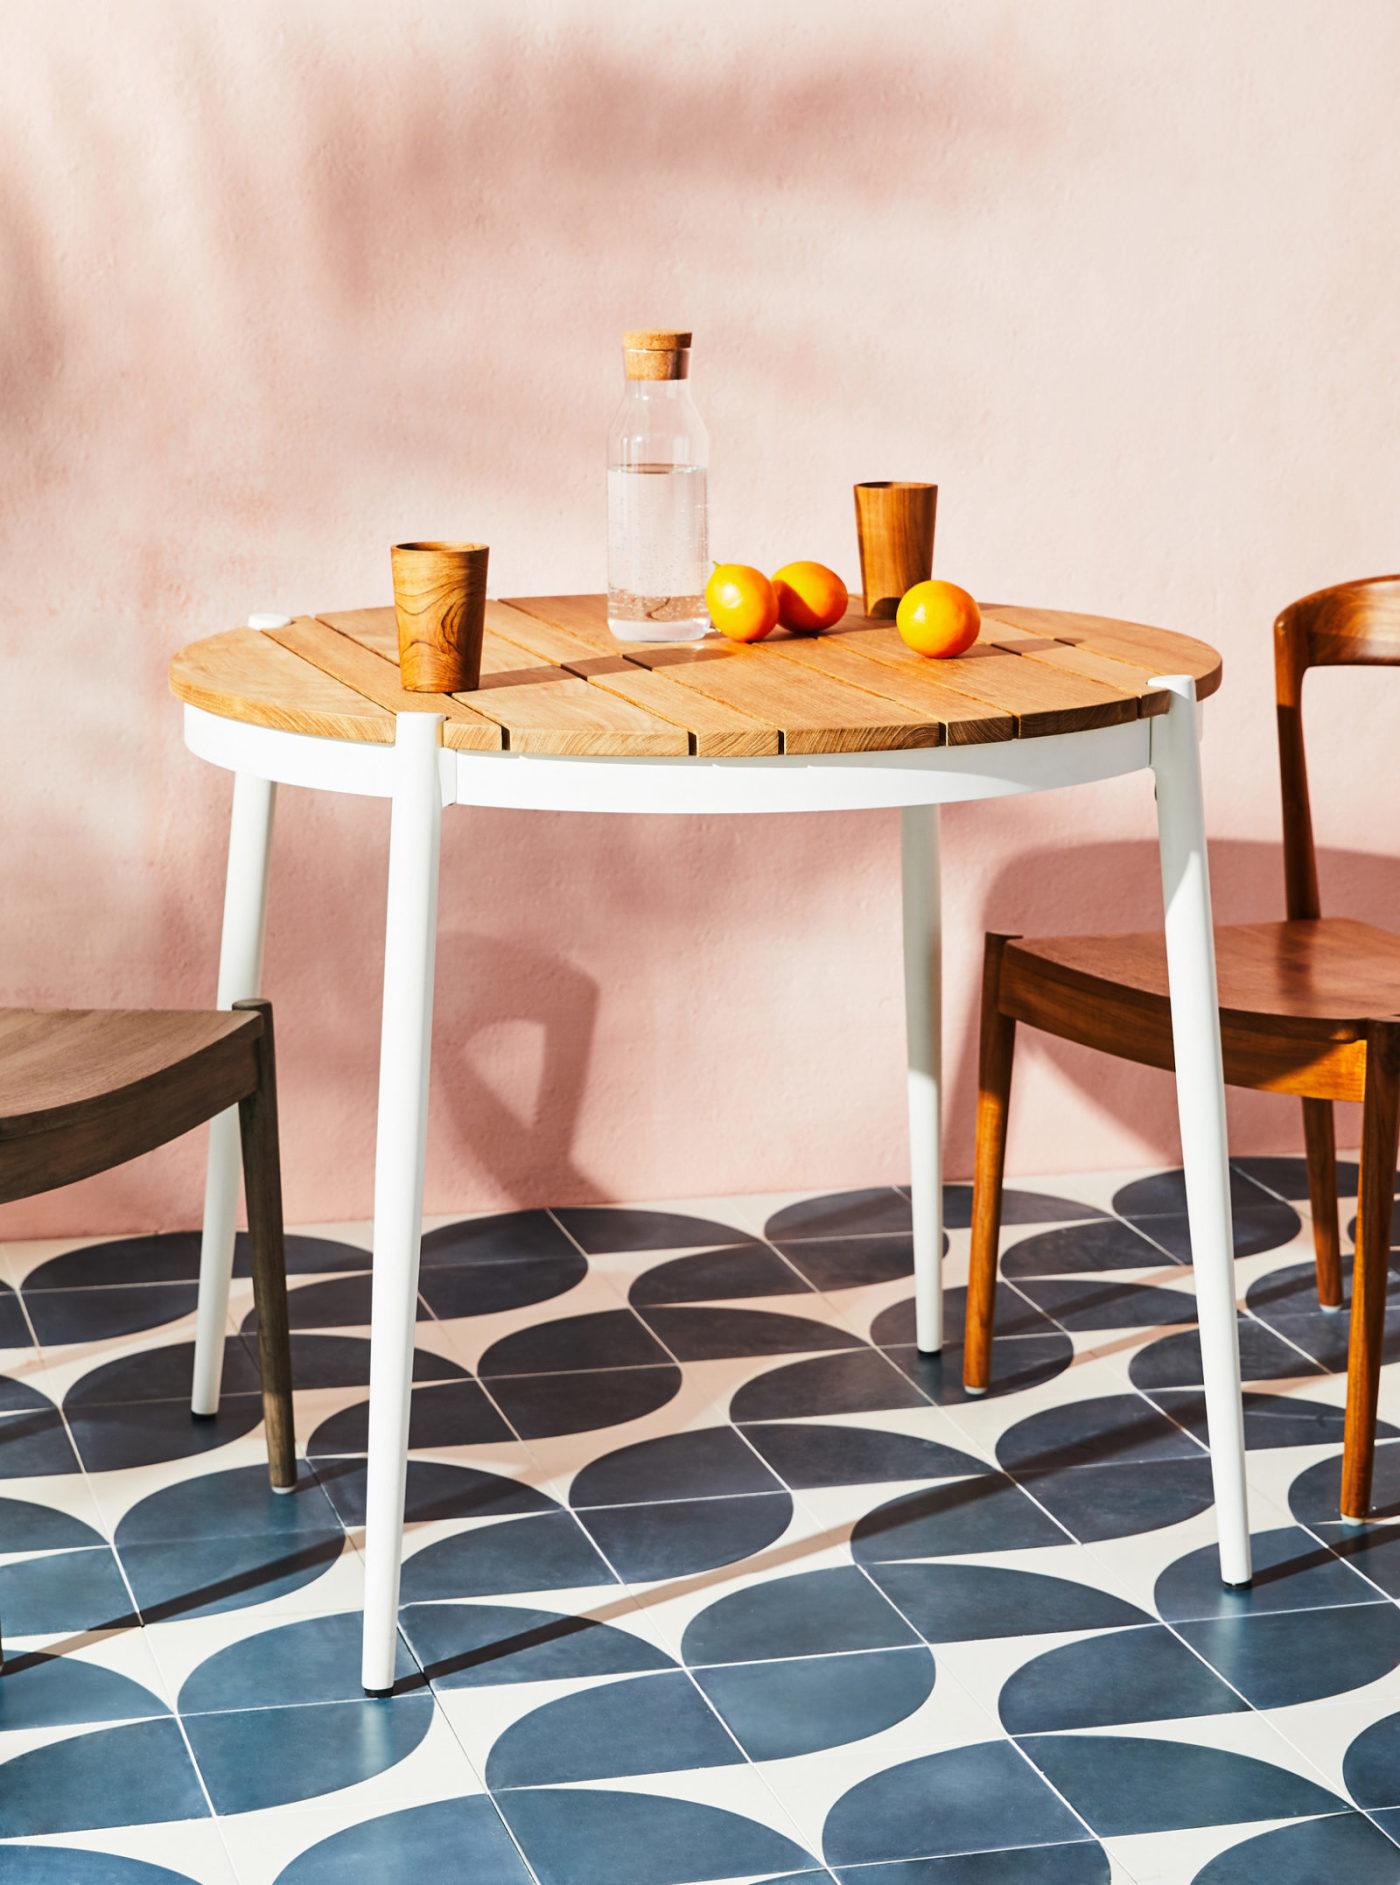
(938, 619)
(811, 597)
(741, 602)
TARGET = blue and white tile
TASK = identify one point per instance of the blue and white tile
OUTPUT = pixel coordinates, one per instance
(189, 1850)
(262, 1841)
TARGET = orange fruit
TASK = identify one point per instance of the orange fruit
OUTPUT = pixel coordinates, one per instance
(938, 619)
(811, 597)
(741, 602)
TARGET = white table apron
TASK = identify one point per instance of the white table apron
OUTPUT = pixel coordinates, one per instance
(420, 776)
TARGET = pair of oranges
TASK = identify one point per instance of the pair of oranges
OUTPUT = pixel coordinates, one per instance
(936, 619)
(745, 604)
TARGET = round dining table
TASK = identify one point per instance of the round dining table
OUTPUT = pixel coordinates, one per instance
(568, 719)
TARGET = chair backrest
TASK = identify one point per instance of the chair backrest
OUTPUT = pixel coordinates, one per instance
(1350, 624)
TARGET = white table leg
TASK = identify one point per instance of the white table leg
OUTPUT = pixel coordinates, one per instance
(1200, 1091)
(410, 946)
(923, 1020)
(240, 977)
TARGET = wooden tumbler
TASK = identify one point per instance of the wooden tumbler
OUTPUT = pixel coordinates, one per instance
(440, 605)
(894, 524)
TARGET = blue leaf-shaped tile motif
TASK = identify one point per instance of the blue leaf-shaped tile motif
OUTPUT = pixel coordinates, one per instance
(442, 1414)
(1106, 1681)
(1372, 1766)
(39, 1691)
(69, 1865)
(455, 1839)
(261, 1757)
(63, 1590)
(470, 1646)
(131, 1776)
(1346, 1846)
(315, 1659)
(814, 1455)
(525, 1554)
(1121, 1784)
(718, 1276)
(860, 1381)
(968, 1799)
(706, 1463)
(989, 1513)
(653, 1724)
(1281, 1658)
(583, 1836)
(961, 1603)
(1079, 1864)
(677, 1538)
(780, 1709)
(808, 1614)
(28, 1526)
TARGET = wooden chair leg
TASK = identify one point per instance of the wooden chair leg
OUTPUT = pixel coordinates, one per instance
(1380, 1114)
(262, 1183)
(1321, 1146)
(995, 1055)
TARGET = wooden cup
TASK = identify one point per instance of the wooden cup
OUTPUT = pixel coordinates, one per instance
(440, 605)
(894, 523)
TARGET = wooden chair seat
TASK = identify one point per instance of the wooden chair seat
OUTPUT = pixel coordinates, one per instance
(1296, 998)
(82, 1090)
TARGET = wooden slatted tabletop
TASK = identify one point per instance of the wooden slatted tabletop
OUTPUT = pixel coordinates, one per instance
(554, 680)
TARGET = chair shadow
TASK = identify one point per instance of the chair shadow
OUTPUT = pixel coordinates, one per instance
(502, 992)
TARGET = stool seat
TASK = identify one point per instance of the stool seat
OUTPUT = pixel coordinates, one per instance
(59, 1066)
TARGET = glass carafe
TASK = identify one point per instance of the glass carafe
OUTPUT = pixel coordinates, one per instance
(658, 530)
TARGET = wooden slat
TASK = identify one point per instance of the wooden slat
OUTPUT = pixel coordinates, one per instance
(372, 628)
(1158, 650)
(370, 674)
(1096, 667)
(965, 722)
(243, 675)
(546, 710)
(539, 706)
(1043, 700)
(583, 616)
(717, 732)
(813, 713)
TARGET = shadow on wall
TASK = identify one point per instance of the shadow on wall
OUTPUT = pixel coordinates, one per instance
(526, 1011)
(1106, 888)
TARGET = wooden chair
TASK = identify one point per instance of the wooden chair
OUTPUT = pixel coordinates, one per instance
(1310, 1006)
(83, 1090)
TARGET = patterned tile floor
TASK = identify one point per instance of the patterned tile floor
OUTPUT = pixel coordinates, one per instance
(709, 1576)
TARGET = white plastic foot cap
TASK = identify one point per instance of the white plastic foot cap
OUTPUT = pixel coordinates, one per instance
(975, 1393)
(269, 621)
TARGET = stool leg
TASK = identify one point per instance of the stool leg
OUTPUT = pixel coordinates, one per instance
(1200, 1097)
(1368, 1277)
(262, 1186)
(410, 945)
(923, 1021)
(240, 972)
(1321, 1144)
(995, 1055)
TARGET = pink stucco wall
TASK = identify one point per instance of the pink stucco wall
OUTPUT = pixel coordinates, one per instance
(282, 284)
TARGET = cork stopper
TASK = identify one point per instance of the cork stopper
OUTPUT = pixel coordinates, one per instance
(656, 353)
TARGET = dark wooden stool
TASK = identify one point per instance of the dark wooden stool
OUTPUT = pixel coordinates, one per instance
(82, 1090)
